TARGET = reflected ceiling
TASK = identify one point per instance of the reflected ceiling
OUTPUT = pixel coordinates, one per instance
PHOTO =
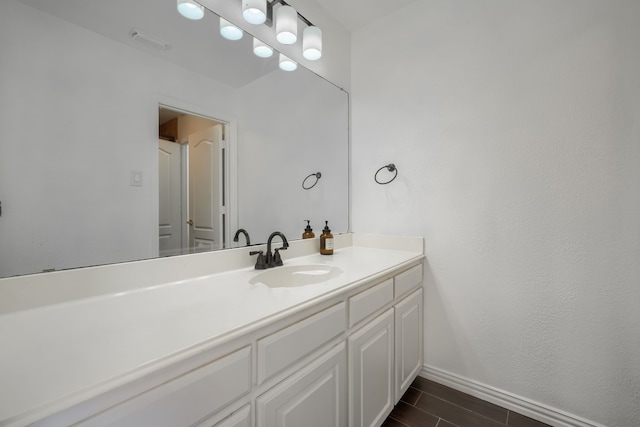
(195, 45)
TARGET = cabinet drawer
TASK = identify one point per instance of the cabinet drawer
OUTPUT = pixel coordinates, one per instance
(282, 349)
(408, 280)
(187, 399)
(367, 302)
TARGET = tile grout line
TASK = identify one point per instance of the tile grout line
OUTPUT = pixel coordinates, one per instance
(400, 422)
(440, 418)
(422, 410)
(462, 408)
(421, 393)
(505, 423)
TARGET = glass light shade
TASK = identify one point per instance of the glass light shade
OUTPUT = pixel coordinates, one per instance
(190, 9)
(254, 11)
(312, 43)
(286, 25)
(262, 50)
(287, 64)
(230, 31)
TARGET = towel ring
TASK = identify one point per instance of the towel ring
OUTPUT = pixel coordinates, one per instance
(391, 168)
(317, 175)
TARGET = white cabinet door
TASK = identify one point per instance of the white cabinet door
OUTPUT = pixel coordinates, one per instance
(371, 372)
(408, 341)
(315, 396)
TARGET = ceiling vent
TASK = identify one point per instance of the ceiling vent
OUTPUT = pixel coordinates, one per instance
(149, 40)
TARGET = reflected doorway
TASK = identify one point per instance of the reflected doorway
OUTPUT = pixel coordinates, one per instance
(191, 184)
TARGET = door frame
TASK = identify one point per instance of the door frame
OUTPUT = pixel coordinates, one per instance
(230, 159)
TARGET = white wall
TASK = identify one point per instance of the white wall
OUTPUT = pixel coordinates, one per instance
(515, 127)
(86, 97)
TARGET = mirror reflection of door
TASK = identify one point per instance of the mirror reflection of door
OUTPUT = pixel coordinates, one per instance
(205, 189)
(191, 183)
(170, 204)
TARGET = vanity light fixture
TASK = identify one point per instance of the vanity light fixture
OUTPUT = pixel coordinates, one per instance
(312, 43)
(267, 12)
(230, 31)
(287, 29)
(190, 9)
(261, 49)
(286, 25)
(287, 64)
(254, 11)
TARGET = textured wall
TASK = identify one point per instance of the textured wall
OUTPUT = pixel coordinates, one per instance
(516, 130)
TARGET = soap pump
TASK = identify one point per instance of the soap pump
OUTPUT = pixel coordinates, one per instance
(308, 232)
(326, 240)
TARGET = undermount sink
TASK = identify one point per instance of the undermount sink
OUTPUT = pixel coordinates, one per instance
(296, 275)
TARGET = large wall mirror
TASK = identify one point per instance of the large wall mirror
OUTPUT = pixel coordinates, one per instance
(81, 105)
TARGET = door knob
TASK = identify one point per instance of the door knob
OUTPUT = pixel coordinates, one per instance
(190, 222)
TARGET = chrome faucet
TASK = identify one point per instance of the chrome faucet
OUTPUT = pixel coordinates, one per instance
(274, 260)
(246, 236)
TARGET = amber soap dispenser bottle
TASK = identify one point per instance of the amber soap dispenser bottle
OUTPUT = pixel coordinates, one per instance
(326, 240)
(308, 232)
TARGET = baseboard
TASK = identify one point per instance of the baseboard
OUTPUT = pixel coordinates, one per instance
(507, 400)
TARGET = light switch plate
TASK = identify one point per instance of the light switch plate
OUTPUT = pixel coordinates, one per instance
(136, 179)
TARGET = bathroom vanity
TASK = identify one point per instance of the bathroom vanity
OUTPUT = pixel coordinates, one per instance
(207, 340)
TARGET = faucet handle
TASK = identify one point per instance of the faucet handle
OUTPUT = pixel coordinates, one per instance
(277, 259)
(260, 262)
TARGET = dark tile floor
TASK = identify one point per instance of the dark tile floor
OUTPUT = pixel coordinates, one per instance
(429, 404)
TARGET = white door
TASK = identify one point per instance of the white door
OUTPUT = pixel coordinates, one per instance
(205, 189)
(170, 188)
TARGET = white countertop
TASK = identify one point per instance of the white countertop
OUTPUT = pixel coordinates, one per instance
(52, 353)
